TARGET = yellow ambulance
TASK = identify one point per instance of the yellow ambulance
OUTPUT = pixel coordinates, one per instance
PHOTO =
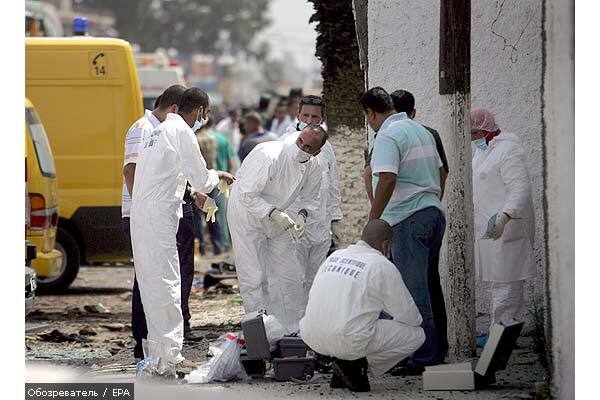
(87, 93)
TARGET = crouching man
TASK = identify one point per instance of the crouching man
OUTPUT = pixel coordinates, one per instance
(350, 291)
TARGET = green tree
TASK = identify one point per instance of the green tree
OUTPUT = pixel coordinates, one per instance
(188, 25)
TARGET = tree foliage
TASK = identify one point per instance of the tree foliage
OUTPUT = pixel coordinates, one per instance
(188, 25)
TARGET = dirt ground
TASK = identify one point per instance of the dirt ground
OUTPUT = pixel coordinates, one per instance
(89, 332)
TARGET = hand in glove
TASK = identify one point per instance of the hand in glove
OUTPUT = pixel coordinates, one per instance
(226, 176)
(282, 219)
(223, 187)
(299, 226)
(336, 231)
(210, 208)
(496, 225)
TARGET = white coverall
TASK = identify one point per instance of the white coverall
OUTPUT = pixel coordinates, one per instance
(168, 158)
(312, 249)
(501, 184)
(270, 178)
(342, 320)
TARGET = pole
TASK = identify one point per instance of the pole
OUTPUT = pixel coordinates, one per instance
(455, 97)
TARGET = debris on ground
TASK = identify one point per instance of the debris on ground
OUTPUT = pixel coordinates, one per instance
(57, 336)
(87, 331)
(114, 327)
(96, 309)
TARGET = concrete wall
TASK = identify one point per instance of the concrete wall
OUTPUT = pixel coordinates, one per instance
(559, 117)
(506, 74)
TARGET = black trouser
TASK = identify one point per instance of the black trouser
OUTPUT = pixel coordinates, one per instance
(185, 249)
(438, 306)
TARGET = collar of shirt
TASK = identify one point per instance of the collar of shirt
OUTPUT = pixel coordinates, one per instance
(175, 117)
(367, 246)
(391, 119)
(153, 120)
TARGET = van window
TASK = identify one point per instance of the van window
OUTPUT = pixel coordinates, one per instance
(40, 142)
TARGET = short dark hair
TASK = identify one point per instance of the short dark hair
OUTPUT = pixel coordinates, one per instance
(191, 99)
(403, 100)
(157, 101)
(253, 116)
(377, 99)
(312, 100)
(171, 95)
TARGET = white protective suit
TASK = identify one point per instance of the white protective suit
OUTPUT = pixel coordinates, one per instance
(168, 158)
(312, 249)
(501, 184)
(270, 178)
(342, 320)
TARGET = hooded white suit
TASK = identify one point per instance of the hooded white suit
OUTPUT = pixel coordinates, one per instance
(270, 177)
(168, 158)
(312, 249)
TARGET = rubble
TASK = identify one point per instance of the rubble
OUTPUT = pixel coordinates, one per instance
(114, 327)
(87, 331)
(57, 336)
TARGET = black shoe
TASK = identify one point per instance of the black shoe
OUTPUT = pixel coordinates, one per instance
(411, 370)
(337, 382)
(189, 336)
(353, 374)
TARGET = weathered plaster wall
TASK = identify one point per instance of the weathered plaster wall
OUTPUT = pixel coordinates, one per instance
(559, 114)
(506, 73)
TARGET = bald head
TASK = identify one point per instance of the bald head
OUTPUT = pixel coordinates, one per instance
(377, 233)
(311, 139)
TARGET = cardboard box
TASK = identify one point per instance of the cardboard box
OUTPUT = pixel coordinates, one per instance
(494, 357)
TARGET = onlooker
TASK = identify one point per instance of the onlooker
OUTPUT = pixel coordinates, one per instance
(282, 119)
(226, 161)
(254, 134)
(404, 102)
(352, 288)
(406, 177)
(229, 128)
(208, 147)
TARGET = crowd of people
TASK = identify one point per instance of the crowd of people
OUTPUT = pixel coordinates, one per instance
(273, 195)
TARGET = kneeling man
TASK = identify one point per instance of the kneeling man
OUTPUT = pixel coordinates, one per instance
(350, 291)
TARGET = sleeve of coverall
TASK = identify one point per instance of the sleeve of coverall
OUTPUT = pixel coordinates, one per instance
(250, 187)
(310, 194)
(513, 169)
(194, 166)
(334, 212)
(397, 300)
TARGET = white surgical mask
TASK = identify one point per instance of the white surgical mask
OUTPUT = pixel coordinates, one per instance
(300, 155)
(199, 124)
(481, 143)
(301, 125)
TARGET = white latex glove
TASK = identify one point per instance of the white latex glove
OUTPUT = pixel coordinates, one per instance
(299, 227)
(494, 232)
(223, 187)
(210, 208)
(282, 219)
(336, 231)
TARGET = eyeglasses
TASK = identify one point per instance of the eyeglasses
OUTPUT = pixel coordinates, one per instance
(311, 100)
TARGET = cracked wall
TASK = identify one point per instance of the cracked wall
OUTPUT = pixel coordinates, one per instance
(506, 77)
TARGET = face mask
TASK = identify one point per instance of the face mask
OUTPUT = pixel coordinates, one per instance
(301, 125)
(301, 156)
(481, 143)
(199, 124)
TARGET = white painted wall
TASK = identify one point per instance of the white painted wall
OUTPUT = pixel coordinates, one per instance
(506, 74)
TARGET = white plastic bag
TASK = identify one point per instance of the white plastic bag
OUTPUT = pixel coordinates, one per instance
(154, 362)
(274, 330)
(225, 364)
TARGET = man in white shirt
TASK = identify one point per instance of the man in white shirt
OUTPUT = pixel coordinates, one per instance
(351, 290)
(281, 121)
(169, 158)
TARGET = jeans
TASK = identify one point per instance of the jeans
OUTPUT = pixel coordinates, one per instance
(185, 249)
(416, 244)
(215, 229)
